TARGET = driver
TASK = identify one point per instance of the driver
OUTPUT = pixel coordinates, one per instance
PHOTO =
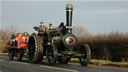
(41, 29)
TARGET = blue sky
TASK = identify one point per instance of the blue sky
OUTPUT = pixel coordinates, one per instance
(98, 17)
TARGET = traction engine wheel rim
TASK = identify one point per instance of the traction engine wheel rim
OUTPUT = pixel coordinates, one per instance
(51, 54)
(30, 50)
(86, 55)
(35, 49)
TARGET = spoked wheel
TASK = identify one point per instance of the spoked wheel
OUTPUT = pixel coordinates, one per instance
(64, 59)
(35, 49)
(85, 55)
(11, 56)
(51, 54)
(19, 56)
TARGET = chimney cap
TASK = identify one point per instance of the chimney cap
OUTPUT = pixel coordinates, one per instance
(69, 7)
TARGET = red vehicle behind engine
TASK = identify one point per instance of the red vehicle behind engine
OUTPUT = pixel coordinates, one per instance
(17, 45)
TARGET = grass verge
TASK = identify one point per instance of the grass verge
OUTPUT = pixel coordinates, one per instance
(104, 62)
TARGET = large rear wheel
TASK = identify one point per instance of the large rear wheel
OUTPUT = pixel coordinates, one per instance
(85, 52)
(35, 49)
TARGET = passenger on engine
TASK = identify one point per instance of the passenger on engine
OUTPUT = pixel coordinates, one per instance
(41, 29)
(50, 27)
(49, 33)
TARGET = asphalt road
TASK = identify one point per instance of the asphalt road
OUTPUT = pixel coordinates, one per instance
(25, 66)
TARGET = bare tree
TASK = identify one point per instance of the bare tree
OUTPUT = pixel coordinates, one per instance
(80, 31)
(5, 34)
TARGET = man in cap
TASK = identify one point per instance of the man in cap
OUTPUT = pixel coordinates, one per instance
(41, 29)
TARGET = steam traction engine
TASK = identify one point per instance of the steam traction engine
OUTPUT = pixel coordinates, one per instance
(62, 47)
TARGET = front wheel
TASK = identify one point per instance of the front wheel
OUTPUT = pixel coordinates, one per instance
(85, 55)
(51, 54)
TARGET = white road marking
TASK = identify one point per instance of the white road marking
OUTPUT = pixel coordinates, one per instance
(20, 62)
(1, 71)
(70, 70)
(59, 68)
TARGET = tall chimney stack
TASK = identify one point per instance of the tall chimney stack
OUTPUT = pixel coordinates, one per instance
(69, 9)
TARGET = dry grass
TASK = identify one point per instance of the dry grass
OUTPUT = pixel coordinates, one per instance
(104, 62)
